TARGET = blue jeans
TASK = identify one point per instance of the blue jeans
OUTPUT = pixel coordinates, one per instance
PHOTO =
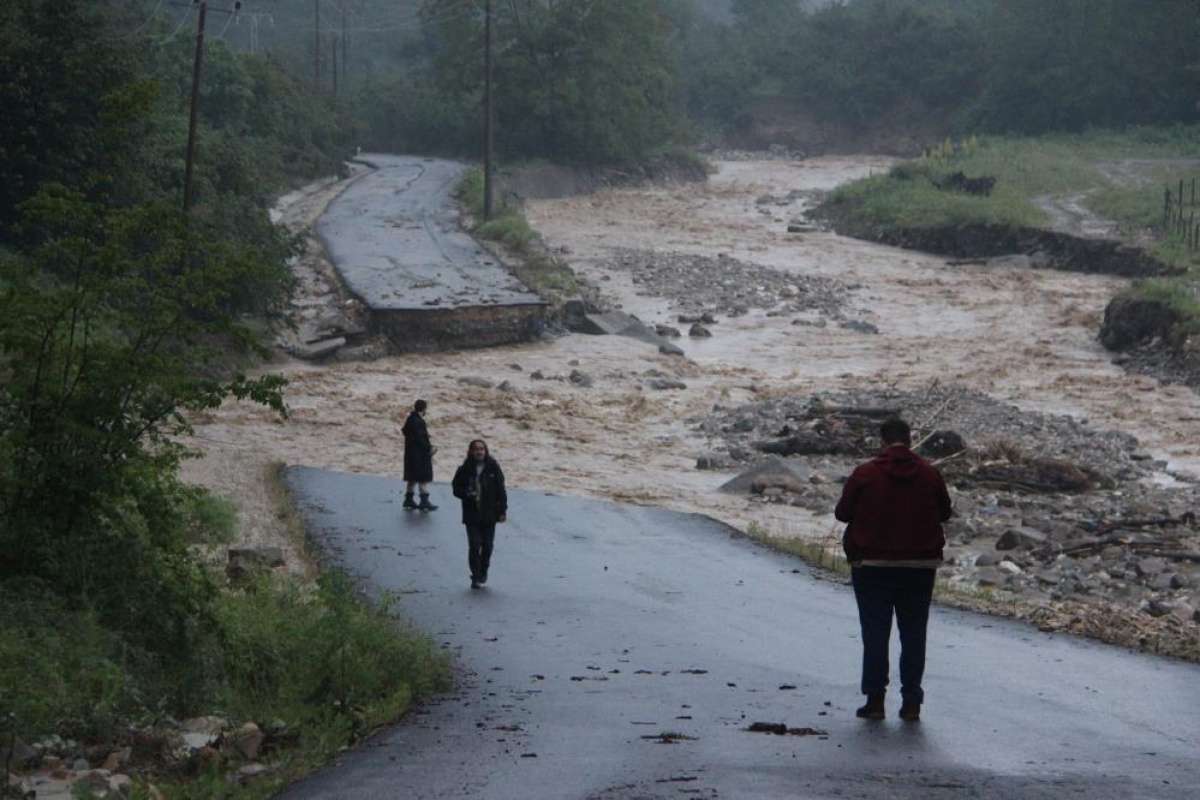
(882, 592)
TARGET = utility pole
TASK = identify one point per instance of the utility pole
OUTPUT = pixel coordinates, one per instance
(334, 40)
(317, 42)
(487, 112)
(191, 141)
(345, 40)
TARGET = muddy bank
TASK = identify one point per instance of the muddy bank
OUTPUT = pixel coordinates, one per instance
(1152, 337)
(1045, 249)
(1063, 522)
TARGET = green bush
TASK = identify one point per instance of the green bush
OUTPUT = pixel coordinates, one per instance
(322, 658)
(61, 670)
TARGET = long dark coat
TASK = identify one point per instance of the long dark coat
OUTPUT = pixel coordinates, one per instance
(492, 502)
(418, 452)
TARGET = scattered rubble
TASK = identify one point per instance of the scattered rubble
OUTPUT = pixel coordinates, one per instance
(55, 767)
(702, 287)
(1068, 521)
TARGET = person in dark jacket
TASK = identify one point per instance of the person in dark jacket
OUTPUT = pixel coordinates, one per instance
(418, 457)
(895, 505)
(479, 483)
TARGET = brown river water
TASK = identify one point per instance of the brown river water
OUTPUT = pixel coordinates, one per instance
(1027, 337)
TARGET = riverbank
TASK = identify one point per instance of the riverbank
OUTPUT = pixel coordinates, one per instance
(1092, 203)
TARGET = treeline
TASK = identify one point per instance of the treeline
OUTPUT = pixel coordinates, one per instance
(119, 314)
(577, 80)
(1001, 66)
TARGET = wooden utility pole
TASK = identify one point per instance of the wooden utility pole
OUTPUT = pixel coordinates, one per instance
(334, 39)
(191, 140)
(487, 112)
(317, 42)
(345, 40)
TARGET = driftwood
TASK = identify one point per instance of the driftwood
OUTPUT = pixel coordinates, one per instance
(1187, 518)
(852, 411)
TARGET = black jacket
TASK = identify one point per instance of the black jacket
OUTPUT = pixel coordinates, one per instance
(418, 452)
(492, 502)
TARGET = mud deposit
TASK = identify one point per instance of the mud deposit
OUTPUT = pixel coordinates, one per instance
(604, 416)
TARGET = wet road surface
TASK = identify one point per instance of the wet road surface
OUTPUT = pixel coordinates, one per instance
(605, 626)
(395, 238)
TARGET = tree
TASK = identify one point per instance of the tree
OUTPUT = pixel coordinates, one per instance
(577, 80)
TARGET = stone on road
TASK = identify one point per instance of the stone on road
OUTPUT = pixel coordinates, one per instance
(622, 652)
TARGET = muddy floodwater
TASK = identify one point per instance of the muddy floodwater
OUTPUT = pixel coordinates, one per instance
(1024, 336)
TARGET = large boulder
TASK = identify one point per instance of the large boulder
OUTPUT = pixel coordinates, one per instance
(1130, 321)
(771, 473)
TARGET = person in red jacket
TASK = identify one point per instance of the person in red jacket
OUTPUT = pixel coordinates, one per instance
(894, 505)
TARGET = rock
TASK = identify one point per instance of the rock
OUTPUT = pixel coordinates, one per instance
(668, 349)
(986, 559)
(117, 759)
(121, 785)
(859, 326)
(941, 444)
(80, 764)
(581, 379)
(1010, 567)
(1149, 567)
(471, 380)
(19, 754)
(771, 472)
(667, 330)
(314, 351)
(248, 561)
(198, 740)
(537, 375)
(515, 367)
(1179, 581)
(1023, 538)
(1157, 608)
(506, 386)
(665, 384)
(1161, 582)
(990, 576)
(251, 771)
(698, 331)
(711, 461)
(708, 319)
(247, 740)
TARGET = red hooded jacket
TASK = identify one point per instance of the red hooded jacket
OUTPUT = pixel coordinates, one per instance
(895, 505)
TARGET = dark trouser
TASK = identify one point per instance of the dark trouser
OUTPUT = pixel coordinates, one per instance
(479, 548)
(880, 592)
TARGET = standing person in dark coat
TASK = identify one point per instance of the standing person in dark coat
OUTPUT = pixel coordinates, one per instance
(895, 505)
(479, 482)
(418, 457)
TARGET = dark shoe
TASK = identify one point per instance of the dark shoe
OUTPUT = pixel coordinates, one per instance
(482, 578)
(426, 505)
(910, 712)
(475, 583)
(409, 502)
(873, 709)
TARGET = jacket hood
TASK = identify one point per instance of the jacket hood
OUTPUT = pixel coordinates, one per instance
(898, 462)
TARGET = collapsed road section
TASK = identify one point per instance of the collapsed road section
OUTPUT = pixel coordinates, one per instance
(395, 239)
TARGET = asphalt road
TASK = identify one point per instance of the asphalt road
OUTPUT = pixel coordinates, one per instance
(395, 239)
(605, 626)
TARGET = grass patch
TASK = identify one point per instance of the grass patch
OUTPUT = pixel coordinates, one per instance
(550, 277)
(1026, 169)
